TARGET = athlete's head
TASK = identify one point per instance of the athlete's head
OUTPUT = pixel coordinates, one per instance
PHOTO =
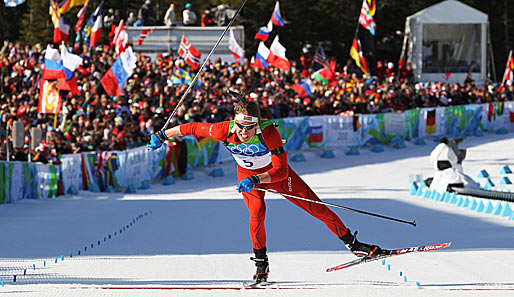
(247, 114)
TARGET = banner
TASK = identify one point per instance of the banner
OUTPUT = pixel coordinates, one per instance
(47, 180)
(71, 172)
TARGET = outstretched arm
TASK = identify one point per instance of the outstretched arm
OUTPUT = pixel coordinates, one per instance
(218, 131)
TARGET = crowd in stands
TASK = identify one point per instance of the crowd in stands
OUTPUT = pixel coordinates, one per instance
(94, 121)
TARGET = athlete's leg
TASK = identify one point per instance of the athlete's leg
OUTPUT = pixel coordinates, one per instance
(294, 185)
(254, 201)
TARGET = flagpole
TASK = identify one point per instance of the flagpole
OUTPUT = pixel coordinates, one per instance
(191, 84)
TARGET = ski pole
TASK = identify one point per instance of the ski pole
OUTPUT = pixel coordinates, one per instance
(203, 65)
(413, 223)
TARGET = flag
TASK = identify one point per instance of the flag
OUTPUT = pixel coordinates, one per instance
(431, 122)
(70, 63)
(264, 32)
(320, 59)
(13, 3)
(49, 99)
(61, 26)
(189, 53)
(143, 35)
(96, 30)
(366, 16)
(69, 4)
(258, 63)
(326, 76)
(94, 21)
(53, 68)
(511, 114)
(235, 49)
(64, 30)
(120, 38)
(490, 112)
(277, 56)
(81, 15)
(276, 18)
(508, 76)
(114, 79)
(304, 88)
(315, 134)
(356, 54)
(261, 57)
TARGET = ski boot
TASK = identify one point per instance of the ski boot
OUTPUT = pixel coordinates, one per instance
(361, 249)
(262, 264)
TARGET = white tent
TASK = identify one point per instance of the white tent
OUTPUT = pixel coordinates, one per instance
(446, 41)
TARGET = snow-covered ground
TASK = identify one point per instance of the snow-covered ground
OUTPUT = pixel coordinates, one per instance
(191, 238)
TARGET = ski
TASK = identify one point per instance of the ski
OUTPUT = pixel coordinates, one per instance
(260, 285)
(391, 253)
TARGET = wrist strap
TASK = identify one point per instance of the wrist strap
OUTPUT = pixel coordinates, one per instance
(162, 136)
(254, 179)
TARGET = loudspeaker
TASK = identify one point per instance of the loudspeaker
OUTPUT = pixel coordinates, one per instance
(36, 136)
(18, 134)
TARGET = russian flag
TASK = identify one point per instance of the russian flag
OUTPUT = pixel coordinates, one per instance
(70, 63)
(315, 134)
(304, 88)
(53, 68)
(261, 56)
(114, 79)
(276, 18)
(264, 32)
(96, 32)
(277, 56)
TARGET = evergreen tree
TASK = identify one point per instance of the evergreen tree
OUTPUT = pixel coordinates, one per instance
(36, 25)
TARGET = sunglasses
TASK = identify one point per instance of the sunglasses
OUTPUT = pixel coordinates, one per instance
(247, 127)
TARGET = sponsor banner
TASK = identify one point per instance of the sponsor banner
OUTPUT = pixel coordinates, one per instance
(135, 165)
(340, 131)
(395, 124)
(47, 179)
(71, 165)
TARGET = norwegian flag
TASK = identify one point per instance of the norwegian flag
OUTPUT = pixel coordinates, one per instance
(189, 53)
(143, 35)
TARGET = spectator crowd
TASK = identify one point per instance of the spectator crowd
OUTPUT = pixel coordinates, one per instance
(94, 121)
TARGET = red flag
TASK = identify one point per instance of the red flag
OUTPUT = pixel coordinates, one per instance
(189, 53)
(120, 38)
(70, 85)
(143, 35)
(49, 99)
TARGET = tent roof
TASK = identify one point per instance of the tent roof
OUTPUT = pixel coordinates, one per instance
(449, 12)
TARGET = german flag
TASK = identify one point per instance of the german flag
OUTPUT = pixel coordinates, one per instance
(431, 126)
(356, 54)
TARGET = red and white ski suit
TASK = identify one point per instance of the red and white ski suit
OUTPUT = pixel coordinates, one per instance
(283, 179)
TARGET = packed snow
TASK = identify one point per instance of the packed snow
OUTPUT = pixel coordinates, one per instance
(191, 238)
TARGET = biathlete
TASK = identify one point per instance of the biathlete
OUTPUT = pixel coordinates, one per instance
(261, 160)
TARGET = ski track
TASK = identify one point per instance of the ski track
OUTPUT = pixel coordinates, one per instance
(191, 238)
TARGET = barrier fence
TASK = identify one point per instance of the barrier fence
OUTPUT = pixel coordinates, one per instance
(109, 171)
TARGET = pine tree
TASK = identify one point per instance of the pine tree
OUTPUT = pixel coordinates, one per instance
(36, 26)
